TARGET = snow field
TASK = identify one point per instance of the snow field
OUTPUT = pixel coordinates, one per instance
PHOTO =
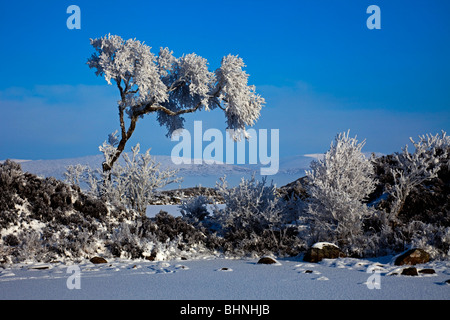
(225, 279)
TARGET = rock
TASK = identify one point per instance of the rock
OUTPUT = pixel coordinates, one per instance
(295, 189)
(225, 269)
(322, 250)
(447, 281)
(427, 271)
(412, 257)
(267, 260)
(97, 260)
(411, 271)
(40, 268)
(308, 271)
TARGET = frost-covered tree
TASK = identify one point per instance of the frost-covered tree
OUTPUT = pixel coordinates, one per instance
(172, 87)
(431, 152)
(338, 187)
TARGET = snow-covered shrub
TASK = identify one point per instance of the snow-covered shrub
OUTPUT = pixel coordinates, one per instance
(195, 209)
(413, 169)
(433, 238)
(250, 206)
(338, 188)
(50, 220)
(132, 184)
(140, 177)
(127, 244)
(31, 248)
(10, 179)
(254, 219)
(169, 227)
(165, 237)
(413, 206)
(47, 220)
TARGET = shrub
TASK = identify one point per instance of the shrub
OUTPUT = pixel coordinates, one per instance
(339, 187)
(132, 185)
(431, 153)
(255, 219)
(195, 210)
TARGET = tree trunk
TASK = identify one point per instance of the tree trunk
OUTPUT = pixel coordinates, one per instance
(123, 141)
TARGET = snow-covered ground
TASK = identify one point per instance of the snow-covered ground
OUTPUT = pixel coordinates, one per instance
(219, 278)
(216, 278)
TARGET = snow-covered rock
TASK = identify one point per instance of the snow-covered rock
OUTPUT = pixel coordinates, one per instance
(322, 250)
(412, 257)
(320, 245)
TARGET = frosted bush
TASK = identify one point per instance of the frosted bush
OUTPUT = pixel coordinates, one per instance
(132, 184)
(431, 153)
(55, 221)
(338, 188)
(126, 244)
(434, 239)
(255, 219)
(31, 246)
(163, 237)
(195, 209)
(250, 206)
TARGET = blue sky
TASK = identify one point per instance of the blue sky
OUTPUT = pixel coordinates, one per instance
(320, 69)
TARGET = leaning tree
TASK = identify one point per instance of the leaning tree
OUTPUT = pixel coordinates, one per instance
(172, 87)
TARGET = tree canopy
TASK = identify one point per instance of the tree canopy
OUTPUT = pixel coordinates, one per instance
(172, 87)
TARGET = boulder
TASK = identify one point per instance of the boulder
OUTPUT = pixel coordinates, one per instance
(411, 271)
(427, 271)
(97, 260)
(412, 257)
(295, 189)
(267, 260)
(40, 268)
(322, 250)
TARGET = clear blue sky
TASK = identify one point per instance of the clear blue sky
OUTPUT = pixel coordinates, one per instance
(320, 69)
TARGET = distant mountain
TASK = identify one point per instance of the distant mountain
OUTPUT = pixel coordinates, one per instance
(297, 164)
(290, 169)
(56, 168)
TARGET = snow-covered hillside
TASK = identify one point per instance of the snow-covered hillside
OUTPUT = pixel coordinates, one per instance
(290, 169)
